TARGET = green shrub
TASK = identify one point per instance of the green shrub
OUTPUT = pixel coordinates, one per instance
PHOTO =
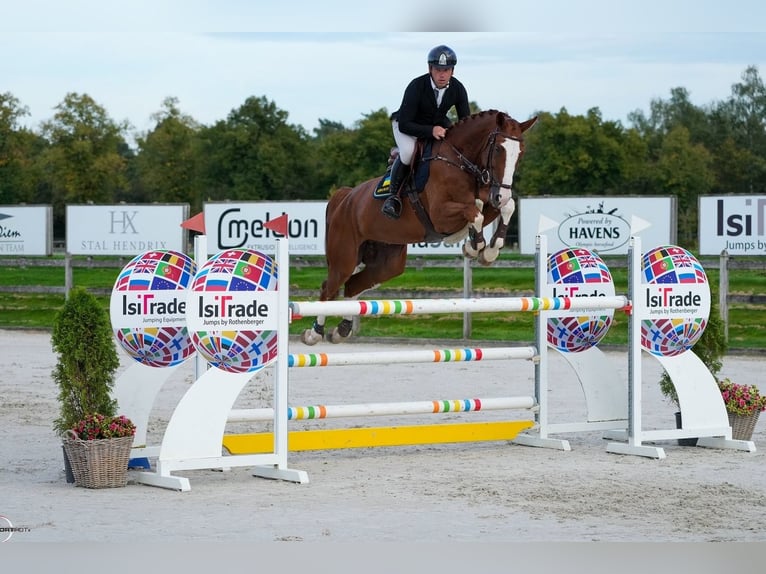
(87, 360)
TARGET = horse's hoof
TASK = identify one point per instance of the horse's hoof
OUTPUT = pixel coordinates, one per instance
(335, 337)
(310, 337)
(469, 252)
(488, 255)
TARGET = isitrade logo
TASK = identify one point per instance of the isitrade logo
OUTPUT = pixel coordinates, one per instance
(148, 308)
(676, 300)
(232, 310)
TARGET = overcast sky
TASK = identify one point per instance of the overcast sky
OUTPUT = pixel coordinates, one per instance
(339, 60)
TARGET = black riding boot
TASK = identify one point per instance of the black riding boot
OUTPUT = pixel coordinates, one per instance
(392, 207)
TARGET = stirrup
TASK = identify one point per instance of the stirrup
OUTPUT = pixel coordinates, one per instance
(392, 207)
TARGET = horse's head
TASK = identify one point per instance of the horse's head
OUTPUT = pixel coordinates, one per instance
(497, 141)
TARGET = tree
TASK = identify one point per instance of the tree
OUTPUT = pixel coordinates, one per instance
(166, 164)
(256, 155)
(684, 170)
(741, 131)
(573, 155)
(18, 149)
(85, 161)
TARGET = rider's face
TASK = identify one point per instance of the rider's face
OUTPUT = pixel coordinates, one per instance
(441, 77)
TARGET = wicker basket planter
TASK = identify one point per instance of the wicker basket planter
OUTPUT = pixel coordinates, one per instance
(101, 463)
(742, 426)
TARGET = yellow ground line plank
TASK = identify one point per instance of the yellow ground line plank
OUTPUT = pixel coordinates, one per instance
(328, 439)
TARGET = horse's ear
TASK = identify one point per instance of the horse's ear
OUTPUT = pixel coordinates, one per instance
(528, 124)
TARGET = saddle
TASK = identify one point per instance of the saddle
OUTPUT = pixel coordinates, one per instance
(415, 181)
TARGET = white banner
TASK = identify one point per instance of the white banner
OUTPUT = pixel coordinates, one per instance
(241, 226)
(602, 224)
(26, 230)
(125, 229)
(732, 223)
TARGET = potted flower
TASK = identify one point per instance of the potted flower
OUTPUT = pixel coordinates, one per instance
(87, 361)
(98, 450)
(744, 404)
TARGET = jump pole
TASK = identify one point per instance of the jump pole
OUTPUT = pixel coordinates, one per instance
(328, 439)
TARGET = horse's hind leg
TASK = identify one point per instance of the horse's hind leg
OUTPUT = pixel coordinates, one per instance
(381, 263)
(329, 292)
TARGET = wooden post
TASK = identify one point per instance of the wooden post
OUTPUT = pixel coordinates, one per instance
(67, 274)
(723, 292)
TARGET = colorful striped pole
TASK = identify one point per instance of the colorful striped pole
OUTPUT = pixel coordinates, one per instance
(384, 409)
(414, 356)
(350, 308)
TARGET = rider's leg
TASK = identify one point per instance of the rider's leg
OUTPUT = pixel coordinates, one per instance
(392, 207)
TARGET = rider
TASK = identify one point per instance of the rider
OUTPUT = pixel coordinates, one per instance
(423, 114)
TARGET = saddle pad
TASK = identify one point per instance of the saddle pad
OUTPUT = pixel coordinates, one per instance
(383, 189)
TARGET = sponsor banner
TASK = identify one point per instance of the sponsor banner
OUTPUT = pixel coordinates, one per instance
(241, 225)
(732, 223)
(26, 230)
(232, 311)
(125, 229)
(602, 224)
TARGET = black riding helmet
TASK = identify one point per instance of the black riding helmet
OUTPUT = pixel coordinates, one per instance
(442, 57)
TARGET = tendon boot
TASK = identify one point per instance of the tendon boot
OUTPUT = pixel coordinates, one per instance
(392, 207)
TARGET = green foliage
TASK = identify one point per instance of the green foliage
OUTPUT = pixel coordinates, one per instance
(710, 348)
(87, 360)
(81, 155)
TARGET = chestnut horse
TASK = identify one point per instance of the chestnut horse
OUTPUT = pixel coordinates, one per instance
(469, 186)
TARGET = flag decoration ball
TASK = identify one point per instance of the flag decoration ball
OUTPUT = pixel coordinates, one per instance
(578, 271)
(672, 265)
(165, 341)
(236, 351)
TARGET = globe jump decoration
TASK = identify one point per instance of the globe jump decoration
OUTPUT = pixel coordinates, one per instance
(574, 272)
(232, 295)
(148, 306)
(677, 300)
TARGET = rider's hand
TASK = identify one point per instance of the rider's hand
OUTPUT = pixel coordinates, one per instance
(438, 132)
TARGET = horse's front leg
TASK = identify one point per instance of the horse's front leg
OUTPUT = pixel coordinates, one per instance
(475, 242)
(492, 251)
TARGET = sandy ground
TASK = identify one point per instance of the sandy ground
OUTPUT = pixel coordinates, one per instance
(490, 492)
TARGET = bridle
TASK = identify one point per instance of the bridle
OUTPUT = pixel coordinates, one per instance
(483, 176)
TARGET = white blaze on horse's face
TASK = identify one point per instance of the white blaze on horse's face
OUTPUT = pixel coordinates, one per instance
(512, 153)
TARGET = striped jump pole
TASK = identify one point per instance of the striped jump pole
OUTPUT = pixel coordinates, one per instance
(350, 308)
(414, 356)
(385, 409)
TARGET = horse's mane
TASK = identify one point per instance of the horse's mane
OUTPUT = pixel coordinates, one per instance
(476, 116)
